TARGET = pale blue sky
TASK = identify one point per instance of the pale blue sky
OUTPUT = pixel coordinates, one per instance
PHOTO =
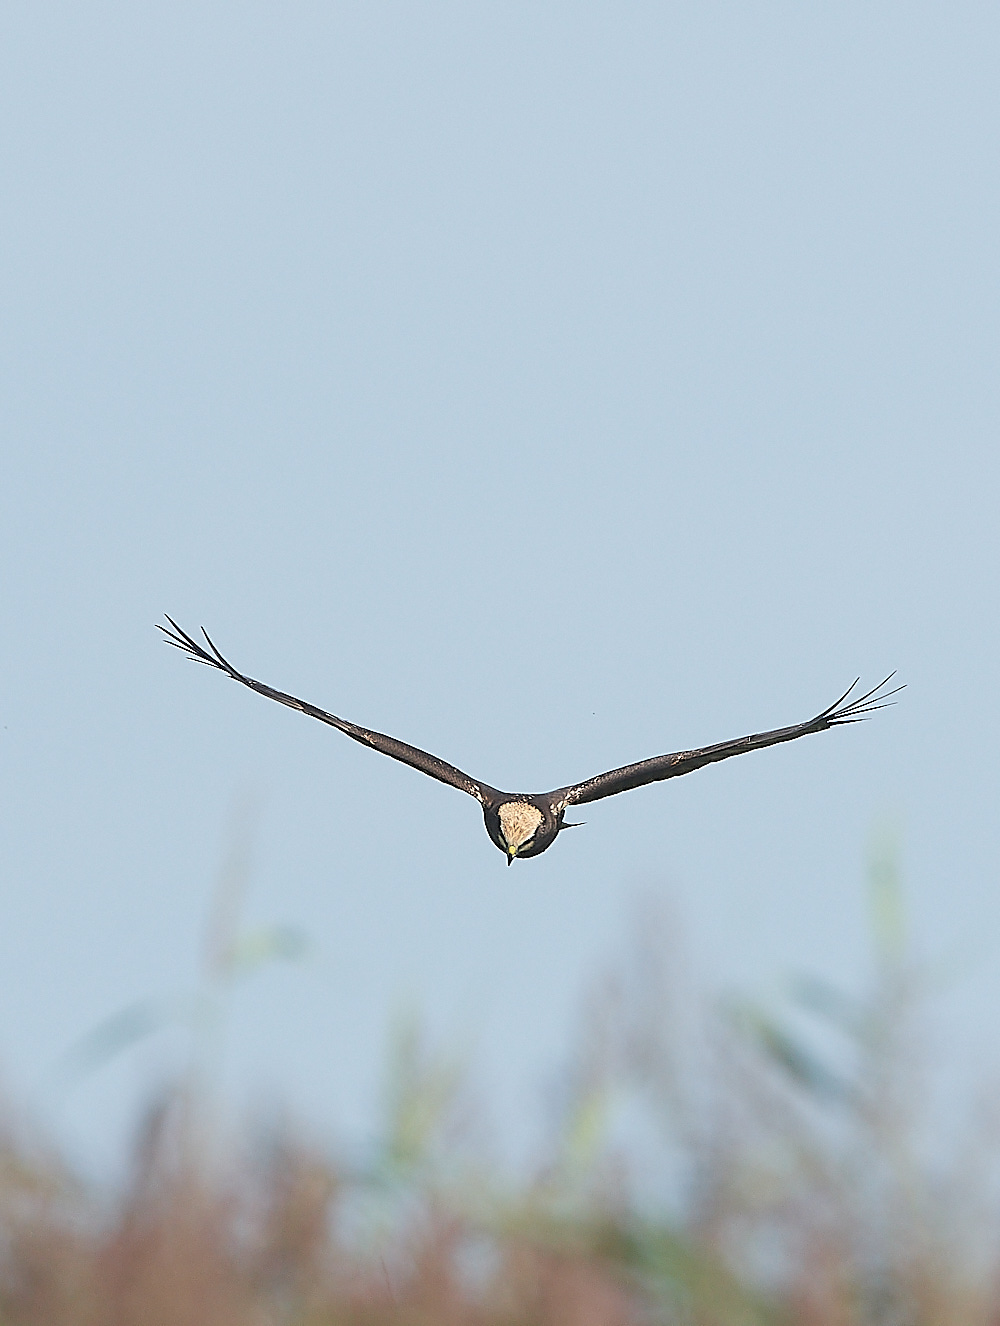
(549, 385)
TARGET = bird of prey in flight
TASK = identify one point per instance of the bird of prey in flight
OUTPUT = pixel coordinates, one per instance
(524, 824)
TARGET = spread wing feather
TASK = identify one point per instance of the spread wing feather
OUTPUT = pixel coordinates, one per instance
(682, 762)
(399, 750)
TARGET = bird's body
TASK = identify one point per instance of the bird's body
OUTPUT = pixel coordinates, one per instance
(526, 824)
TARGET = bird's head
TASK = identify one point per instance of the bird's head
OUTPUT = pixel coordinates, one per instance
(519, 822)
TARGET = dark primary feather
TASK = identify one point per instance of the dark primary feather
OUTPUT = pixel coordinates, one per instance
(682, 762)
(399, 750)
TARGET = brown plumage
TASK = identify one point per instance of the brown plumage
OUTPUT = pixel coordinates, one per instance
(525, 824)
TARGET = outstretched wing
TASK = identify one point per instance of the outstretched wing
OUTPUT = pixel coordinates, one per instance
(399, 750)
(682, 762)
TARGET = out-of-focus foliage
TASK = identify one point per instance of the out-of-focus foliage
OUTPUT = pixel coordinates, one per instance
(754, 1165)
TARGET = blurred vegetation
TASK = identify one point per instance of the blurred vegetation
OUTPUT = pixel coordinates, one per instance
(751, 1164)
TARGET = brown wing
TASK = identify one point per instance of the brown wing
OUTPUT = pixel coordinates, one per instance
(399, 750)
(682, 762)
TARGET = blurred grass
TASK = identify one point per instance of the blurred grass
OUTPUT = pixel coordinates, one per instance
(755, 1164)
